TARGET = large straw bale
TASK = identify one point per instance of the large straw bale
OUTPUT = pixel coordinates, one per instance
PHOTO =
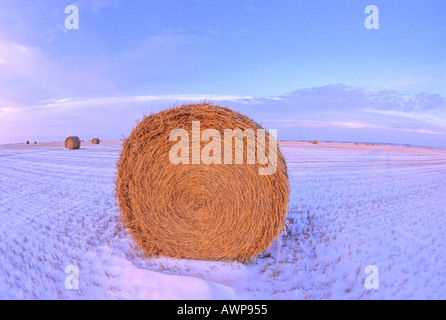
(226, 212)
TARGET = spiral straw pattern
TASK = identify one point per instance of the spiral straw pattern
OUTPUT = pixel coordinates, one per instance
(224, 212)
(72, 143)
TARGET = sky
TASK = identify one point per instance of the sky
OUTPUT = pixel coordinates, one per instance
(310, 69)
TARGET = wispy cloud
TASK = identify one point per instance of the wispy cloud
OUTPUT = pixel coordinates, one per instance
(319, 124)
(402, 83)
(414, 116)
(17, 59)
(129, 99)
(334, 112)
(342, 97)
(348, 125)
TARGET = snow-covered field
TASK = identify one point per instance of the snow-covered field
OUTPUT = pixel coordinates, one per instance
(351, 207)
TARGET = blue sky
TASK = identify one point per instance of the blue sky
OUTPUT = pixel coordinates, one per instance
(285, 64)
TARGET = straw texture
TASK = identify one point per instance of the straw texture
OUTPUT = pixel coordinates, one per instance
(72, 143)
(224, 212)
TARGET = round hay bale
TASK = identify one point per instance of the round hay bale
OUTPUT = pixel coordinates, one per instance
(95, 141)
(27, 142)
(72, 143)
(314, 142)
(226, 212)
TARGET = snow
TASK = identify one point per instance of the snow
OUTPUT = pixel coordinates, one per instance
(350, 207)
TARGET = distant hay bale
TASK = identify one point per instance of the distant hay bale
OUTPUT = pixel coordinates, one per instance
(35, 142)
(226, 212)
(27, 142)
(314, 142)
(72, 143)
(357, 143)
(95, 141)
